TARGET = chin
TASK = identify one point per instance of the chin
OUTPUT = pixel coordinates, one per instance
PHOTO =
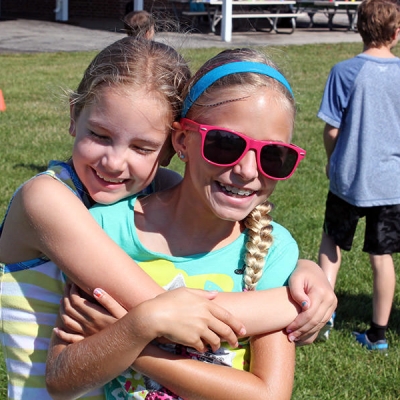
(107, 199)
(233, 216)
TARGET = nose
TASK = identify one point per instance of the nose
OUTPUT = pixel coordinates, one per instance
(114, 160)
(247, 168)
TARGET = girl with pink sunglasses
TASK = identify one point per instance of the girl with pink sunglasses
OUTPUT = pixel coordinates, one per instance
(211, 231)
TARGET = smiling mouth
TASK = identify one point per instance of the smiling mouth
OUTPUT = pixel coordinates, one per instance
(236, 191)
(109, 179)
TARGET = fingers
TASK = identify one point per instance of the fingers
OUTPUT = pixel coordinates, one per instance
(210, 295)
(222, 315)
(82, 316)
(227, 327)
(68, 337)
(204, 342)
(307, 324)
(69, 317)
(108, 302)
(298, 294)
(189, 318)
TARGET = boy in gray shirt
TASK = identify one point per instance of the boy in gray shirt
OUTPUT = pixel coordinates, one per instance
(361, 109)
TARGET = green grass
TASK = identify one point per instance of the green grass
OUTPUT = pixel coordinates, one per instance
(34, 129)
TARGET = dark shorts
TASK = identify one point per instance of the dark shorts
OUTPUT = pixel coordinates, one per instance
(382, 225)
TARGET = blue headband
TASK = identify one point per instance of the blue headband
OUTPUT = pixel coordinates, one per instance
(228, 69)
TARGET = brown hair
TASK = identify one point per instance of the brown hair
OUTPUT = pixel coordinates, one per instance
(139, 24)
(130, 63)
(378, 21)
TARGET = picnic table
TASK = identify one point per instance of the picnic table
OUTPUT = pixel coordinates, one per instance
(330, 8)
(225, 10)
(272, 10)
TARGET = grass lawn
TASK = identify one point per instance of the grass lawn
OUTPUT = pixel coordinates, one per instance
(34, 129)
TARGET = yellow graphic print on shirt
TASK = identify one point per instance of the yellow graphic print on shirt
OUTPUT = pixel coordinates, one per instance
(164, 272)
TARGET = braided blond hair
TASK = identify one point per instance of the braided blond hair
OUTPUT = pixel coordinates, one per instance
(258, 223)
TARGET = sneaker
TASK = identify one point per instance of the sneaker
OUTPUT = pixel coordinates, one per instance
(323, 334)
(379, 345)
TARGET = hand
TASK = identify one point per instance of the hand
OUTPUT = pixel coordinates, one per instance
(187, 316)
(310, 288)
(83, 316)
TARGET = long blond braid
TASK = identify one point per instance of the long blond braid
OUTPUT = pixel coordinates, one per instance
(258, 223)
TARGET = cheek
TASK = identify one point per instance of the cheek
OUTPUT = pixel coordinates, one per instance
(268, 186)
(144, 168)
(85, 148)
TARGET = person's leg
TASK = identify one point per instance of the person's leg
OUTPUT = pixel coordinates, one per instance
(340, 223)
(383, 293)
(382, 238)
(329, 258)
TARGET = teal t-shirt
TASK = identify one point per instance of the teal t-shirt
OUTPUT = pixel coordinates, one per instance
(220, 270)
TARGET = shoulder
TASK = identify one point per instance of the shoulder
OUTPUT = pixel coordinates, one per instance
(345, 65)
(283, 244)
(37, 209)
(281, 233)
(43, 190)
(281, 259)
(347, 70)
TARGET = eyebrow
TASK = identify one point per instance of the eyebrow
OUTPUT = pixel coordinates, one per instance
(99, 125)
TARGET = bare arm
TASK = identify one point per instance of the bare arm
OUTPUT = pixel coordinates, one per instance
(330, 138)
(307, 279)
(271, 373)
(84, 365)
(46, 218)
(63, 360)
(74, 369)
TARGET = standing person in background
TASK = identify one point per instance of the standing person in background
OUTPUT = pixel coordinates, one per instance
(361, 108)
(140, 24)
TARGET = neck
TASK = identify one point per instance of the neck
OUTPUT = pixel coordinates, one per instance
(381, 52)
(173, 222)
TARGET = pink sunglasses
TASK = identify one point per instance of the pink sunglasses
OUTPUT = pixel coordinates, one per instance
(225, 148)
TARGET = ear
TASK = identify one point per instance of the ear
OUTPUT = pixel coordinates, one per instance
(395, 35)
(72, 125)
(179, 139)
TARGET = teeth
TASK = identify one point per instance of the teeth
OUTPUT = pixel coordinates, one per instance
(237, 191)
(110, 180)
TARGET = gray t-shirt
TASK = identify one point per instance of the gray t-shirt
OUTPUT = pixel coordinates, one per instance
(362, 99)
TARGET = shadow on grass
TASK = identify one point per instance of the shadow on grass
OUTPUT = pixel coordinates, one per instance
(32, 167)
(354, 312)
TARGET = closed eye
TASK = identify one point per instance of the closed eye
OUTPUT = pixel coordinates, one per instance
(98, 137)
(143, 150)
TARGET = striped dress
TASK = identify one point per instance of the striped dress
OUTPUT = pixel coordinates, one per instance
(30, 294)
